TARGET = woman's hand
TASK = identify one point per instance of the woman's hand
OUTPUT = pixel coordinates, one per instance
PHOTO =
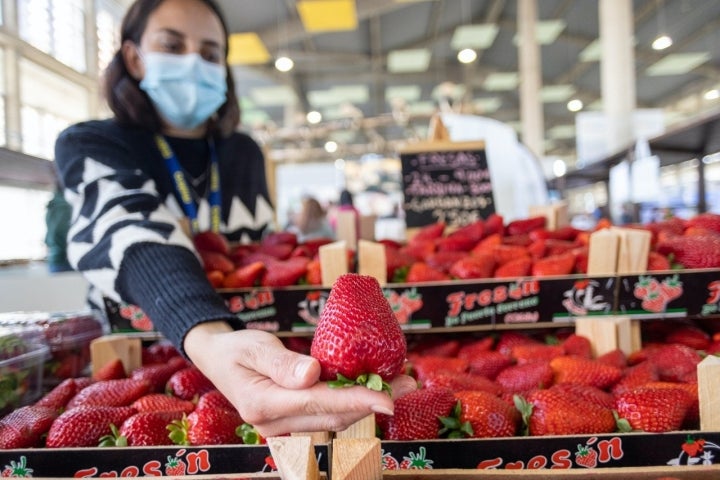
(277, 390)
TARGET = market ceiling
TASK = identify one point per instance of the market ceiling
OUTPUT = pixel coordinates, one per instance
(391, 63)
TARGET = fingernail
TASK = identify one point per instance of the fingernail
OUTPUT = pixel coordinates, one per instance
(381, 409)
(301, 368)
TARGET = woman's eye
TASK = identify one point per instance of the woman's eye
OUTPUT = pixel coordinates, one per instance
(212, 57)
(172, 47)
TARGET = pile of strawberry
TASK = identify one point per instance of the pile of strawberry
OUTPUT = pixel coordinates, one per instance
(515, 384)
(491, 248)
(166, 401)
(279, 260)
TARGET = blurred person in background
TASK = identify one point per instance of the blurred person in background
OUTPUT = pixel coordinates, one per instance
(311, 221)
(57, 220)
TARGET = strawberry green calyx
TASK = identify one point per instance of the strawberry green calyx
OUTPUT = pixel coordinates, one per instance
(372, 381)
(249, 435)
(113, 439)
(525, 408)
(179, 431)
(623, 426)
(453, 427)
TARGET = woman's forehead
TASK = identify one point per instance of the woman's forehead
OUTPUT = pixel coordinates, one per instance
(191, 18)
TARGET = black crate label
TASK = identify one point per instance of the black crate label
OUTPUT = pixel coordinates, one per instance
(560, 452)
(141, 462)
(670, 294)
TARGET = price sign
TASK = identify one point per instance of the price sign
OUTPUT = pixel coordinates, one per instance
(446, 182)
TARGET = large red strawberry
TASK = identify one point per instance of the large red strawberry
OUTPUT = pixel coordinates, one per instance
(489, 363)
(244, 276)
(214, 399)
(443, 260)
(652, 409)
(159, 402)
(693, 251)
(457, 381)
(358, 337)
(707, 220)
(84, 426)
(112, 370)
(423, 366)
(143, 429)
(518, 267)
(422, 272)
(188, 383)
(535, 352)
(675, 362)
(573, 369)
(23, 427)
(471, 267)
(158, 374)
(488, 415)
(525, 225)
(283, 273)
(417, 415)
(522, 378)
(208, 427)
(553, 412)
(562, 264)
(636, 376)
(159, 352)
(211, 242)
(60, 395)
(216, 261)
(110, 393)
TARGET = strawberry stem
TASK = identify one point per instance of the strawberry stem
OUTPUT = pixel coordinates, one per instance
(453, 426)
(525, 408)
(373, 381)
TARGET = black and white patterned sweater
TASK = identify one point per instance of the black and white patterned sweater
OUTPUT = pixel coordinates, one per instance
(126, 234)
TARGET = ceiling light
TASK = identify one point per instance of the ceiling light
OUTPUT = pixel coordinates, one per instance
(284, 64)
(466, 55)
(246, 49)
(313, 117)
(327, 15)
(662, 42)
(410, 60)
(474, 36)
(713, 94)
(678, 63)
(559, 168)
(575, 105)
(331, 147)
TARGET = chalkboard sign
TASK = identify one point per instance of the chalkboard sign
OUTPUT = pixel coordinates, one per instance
(446, 181)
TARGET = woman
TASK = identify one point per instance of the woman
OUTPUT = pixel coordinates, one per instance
(311, 222)
(170, 164)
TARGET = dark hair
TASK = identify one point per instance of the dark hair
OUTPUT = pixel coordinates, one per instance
(346, 198)
(130, 104)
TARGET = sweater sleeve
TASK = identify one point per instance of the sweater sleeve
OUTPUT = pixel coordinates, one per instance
(169, 284)
(124, 239)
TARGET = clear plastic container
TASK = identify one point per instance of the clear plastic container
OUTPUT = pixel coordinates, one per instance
(67, 335)
(23, 353)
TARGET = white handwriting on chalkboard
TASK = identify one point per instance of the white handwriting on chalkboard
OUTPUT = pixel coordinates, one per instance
(432, 160)
(472, 183)
(465, 202)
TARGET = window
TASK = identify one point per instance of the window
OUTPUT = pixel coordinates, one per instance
(49, 103)
(27, 217)
(108, 18)
(57, 27)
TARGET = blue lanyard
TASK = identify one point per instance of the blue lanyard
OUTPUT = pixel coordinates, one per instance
(183, 189)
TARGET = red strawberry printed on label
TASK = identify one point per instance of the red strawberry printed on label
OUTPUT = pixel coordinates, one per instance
(358, 340)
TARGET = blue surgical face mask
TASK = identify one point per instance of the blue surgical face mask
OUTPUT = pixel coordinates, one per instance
(185, 89)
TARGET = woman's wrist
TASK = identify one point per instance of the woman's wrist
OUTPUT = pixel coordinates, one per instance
(199, 338)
